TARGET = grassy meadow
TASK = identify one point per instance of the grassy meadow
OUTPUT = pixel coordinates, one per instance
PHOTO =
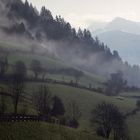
(86, 101)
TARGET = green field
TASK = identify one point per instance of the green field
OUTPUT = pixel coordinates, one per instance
(86, 100)
(51, 63)
(42, 131)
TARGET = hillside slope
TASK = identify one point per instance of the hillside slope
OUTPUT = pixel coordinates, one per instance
(42, 131)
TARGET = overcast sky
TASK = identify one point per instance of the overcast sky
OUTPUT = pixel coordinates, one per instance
(84, 12)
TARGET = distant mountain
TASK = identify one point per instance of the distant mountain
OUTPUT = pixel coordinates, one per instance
(127, 44)
(119, 24)
(124, 25)
(122, 35)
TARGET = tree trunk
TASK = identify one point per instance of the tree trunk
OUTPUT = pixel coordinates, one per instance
(15, 108)
(16, 104)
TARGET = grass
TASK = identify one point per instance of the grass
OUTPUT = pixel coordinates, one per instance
(86, 100)
(51, 63)
(134, 126)
(41, 131)
(130, 94)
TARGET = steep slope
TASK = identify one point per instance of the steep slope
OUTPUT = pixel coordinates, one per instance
(78, 48)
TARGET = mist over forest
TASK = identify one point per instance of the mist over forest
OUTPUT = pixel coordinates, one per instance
(58, 82)
(56, 36)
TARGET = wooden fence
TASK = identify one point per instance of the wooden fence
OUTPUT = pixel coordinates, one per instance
(20, 118)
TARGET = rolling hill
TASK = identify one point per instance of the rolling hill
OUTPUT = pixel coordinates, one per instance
(40, 34)
(86, 100)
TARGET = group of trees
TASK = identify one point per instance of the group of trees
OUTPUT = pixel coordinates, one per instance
(56, 28)
(81, 43)
(46, 105)
(38, 69)
(110, 122)
(15, 82)
(49, 106)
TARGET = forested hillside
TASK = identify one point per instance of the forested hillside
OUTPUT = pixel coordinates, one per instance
(78, 48)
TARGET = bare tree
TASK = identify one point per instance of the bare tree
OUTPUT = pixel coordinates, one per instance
(73, 114)
(43, 100)
(3, 64)
(16, 83)
(109, 119)
(3, 106)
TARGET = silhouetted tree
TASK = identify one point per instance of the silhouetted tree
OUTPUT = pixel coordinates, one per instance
(36, 68)
(3, 105)
(109, 119)
(58, 107)
(43, 101)
(16, 84)
(3, 64)
(73, 114)
(115, 84)
(80, 34)
(116, 55)
(45, 15)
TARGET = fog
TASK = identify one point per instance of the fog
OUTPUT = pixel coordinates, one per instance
(70, 53)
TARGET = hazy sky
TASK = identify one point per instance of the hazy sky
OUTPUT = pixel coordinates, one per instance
(84, 12)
